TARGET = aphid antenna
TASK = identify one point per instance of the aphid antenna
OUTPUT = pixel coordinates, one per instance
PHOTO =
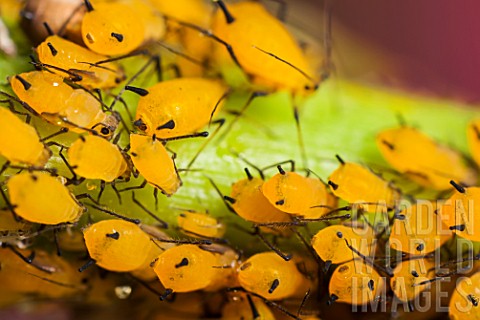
(48, 29)
(249, 163)
(44, 66)
(184, 241)
(428, 281)
(369, 260)
(202, 134)
(219, 123)
(87, 265)
(154, 59)
(286, 257)
(247, 104)
(23, 104)
(268, 302)
(212, 239)
(58, 283)
(183, 55)
(303, 73)
(135, 221)
(163, 224)
(210, 35)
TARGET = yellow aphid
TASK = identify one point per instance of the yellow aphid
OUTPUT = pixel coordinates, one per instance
(411, 277)
(358, 185)
(19, 142)
(248, 201)
(200, 224)
(118, 245)
(461, 212)
(424, 161)
(93, 157)
(329, 243)
(110, 28)
(31, 195)
(419, 229)
(187, 268)
(355, 283)
(270, 276)
(71, 61)
(254, 28)
(292, 193)
(54, 100)
(464, 303)
(151, 159)
(166, 109)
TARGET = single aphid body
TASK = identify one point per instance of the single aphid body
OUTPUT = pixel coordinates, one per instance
(355, 283)
(252, 31)
(58, 103)
(358, 185)
(329, 243)
(151, 159)
(20, 143)
(72, 61)
(461, 212)
(411, 278)
(120, 27)
(293, 193)
(118, 245)
(93, 157)
(187, 268)
(165, 110)
(464, 302)
(423, 160)
(200, 224)
(271, 277)
(31, 196)
(419, 229)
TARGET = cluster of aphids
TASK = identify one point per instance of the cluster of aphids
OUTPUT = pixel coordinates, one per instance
(339, 264)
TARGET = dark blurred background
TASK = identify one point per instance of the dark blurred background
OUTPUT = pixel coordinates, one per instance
(431, 46)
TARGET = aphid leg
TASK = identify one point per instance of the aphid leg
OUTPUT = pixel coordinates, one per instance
(69, 18)
(141, 186)
(369, 260)
(5, 166)
(155, 196)
(282, 255)
(57, 244)
(136, 221)
(213, 239)
(220, 123)
(102, 189)
(10, 207)
(242, 111)
(88, 264)
(163, 224)
(210, 35)
(28, 117)
(184, 241)
(114, 187)
(125, 106)
(145, 285)
(301, 143)
(55, 134)
(74, 180)
(307, 245)
(183, 55)
(304, 301)
(23, 104)
(29, 259)
(226, 200)
(86, 196)
(278, 164)
(177, 73)
(268, 302)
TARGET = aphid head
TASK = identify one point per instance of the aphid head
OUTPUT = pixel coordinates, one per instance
(108, 127)
(140, 125)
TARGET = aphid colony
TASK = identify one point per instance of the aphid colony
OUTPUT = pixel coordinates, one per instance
(337, 263)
